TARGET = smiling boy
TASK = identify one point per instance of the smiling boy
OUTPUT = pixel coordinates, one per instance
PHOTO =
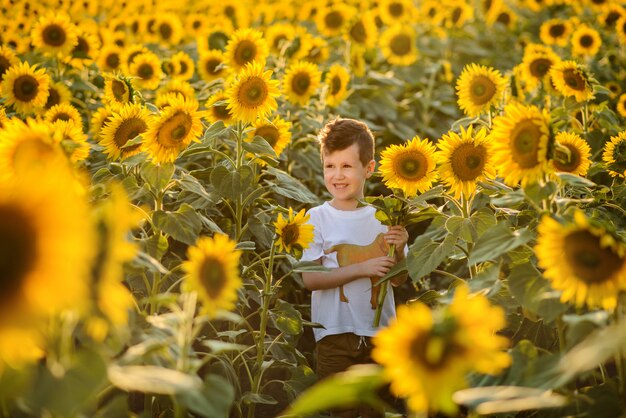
(352, 243)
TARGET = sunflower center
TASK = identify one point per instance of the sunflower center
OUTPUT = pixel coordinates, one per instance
(278, 40)
(290, 234)
(211, 66)
(433, 351)
(504, 18)
(175, 129)
(358, 33)
(269, 133)
(4, 66)
(335, 85)
(25, 88)
(400, 44)
(113, 60)
(482, 90)
(165, 30)
(81, 50)
(18, 250)
(253, 92)
(411, 166)
(183, 67)
(54, 35)
(539, 67)
(245, 52)
(566, 163)
(300, 83)
(468, 161)
(396, 9)
(213, 276)
(54, 98)
(456, 14)
(61, 116)
(525, 139)
(333, 20)
(557, 30)
(145, 71)
(574, 80)
(586, 41)
(128, 130)
(590, 261)
(119, 90)
(221, 112)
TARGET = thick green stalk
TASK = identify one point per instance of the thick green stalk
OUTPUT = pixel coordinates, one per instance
(383, 291)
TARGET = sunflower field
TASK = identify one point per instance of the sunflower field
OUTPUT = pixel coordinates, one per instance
(158, 158)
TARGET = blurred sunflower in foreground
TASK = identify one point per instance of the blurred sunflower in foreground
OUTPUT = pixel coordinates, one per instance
(583, 260)
(427, 354)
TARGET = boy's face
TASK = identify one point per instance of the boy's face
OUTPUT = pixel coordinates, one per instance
(345, 175)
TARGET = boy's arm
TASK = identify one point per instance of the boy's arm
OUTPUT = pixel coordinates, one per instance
(336, 277)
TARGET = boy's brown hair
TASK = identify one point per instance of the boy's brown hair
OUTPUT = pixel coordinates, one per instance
(339, 134)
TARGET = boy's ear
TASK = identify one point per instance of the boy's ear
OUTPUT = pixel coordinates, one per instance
(370, 168)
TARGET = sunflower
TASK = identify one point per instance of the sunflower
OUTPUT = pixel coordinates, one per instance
(357, 61)
(586, 41)
(195, 25)
(168, 29)
(85, 49)
(26, 146)
(63, 112)
(582, 260)
(572, 80)
(7, 60)
(54, 34)
(234, 11)
(337, 80)
(212, 270)
(555, 32)
(58, 93)
(293, 233)
(615, 89)
(217, 106)
(72, 140)
(479, 88)
(393, 12)
(185, 65)
(536, 65)
(211, 65)
(457, 13)
(571, 154)
(315, 50)
(110, 58)
(47, 242)
(115, 217)
(464, 160)
(301, 81)
(362, 30)
(252, 94)
(614, 155)
(130, 53)
(621, 105)
(3, 117)
(276, 132)
(217, 37)
(620, 28)
(177, 87)
(609, 17)
(173, 130)
(398, 45)
(118, 90)
(502, 15)
(25, 88)
(409, 167)
(129, 122)
(427, 354)
(147, 67)
(246, 46)
(279, 36)
(520, 144)
(332, 20)
(20, 346)
(99, 119)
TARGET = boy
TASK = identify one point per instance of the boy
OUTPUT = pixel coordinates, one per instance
(350, 241)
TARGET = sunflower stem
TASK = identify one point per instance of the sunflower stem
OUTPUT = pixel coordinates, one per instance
(383, 291)
(239, 199)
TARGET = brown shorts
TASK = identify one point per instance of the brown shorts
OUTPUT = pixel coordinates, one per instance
(335, 353)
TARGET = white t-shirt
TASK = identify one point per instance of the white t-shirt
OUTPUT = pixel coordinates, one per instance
(356, 233)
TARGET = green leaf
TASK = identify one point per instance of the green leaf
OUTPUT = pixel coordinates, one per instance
(308, 266)
(289, 187)
(534, 292)
(425, 255)
(499, 399)
(156, 245)
(213, 401)
(258, 398)
(357, 385)
(574, 180)
(218, 346)
(259, 146)
(230, 183)
(422, 199)
(191, 184)
(153, 379)
(157, 175)
(287, 318)
(184, 225)
(497, 241)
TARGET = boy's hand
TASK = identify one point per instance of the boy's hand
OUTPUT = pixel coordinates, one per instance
(377, 267)
(398, 236)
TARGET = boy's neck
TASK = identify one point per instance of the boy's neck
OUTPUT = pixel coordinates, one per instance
(344, 204)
